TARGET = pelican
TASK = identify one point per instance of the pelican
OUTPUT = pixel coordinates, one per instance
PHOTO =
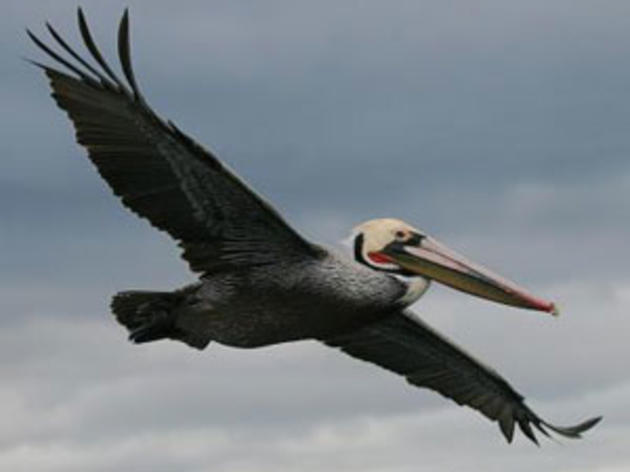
(260, 282)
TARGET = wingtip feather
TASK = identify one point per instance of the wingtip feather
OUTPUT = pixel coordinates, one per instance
(95, 52)
(35, 63)
(577, 430)
(124, 54)
(506, 423)
(527, 430)
(81, 17)
(58, 58)
(508, 431)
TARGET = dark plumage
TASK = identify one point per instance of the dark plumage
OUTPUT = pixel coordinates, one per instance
(260, 282)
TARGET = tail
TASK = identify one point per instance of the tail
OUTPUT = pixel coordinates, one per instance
(150, 316)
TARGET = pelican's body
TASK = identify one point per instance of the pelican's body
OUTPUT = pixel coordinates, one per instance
(292, 301)
(260, 282)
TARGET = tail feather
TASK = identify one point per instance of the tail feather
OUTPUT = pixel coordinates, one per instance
(150, 316)
(130, 307)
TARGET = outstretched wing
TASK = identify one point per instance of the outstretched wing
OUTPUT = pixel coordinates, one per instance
(407, 346)
(158, 171)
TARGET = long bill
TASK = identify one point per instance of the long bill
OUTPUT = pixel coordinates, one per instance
(434, 260)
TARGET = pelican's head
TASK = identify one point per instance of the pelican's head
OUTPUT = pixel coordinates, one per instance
(393, 246)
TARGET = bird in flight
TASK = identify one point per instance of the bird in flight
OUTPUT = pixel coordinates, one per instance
(260, 282)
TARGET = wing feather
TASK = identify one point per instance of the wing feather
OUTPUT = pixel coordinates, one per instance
(404, 344)
(124, 52)
(158, 171)
(94, 51)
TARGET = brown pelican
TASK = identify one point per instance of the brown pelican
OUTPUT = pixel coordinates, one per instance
(260, 282)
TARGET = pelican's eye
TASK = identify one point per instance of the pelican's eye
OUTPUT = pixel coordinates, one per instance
(401, 235)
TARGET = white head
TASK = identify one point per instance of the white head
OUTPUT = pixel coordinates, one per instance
(393, 246)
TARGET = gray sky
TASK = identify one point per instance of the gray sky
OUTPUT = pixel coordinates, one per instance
(499, 127)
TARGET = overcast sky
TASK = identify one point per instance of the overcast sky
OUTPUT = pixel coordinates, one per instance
(499, 127)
